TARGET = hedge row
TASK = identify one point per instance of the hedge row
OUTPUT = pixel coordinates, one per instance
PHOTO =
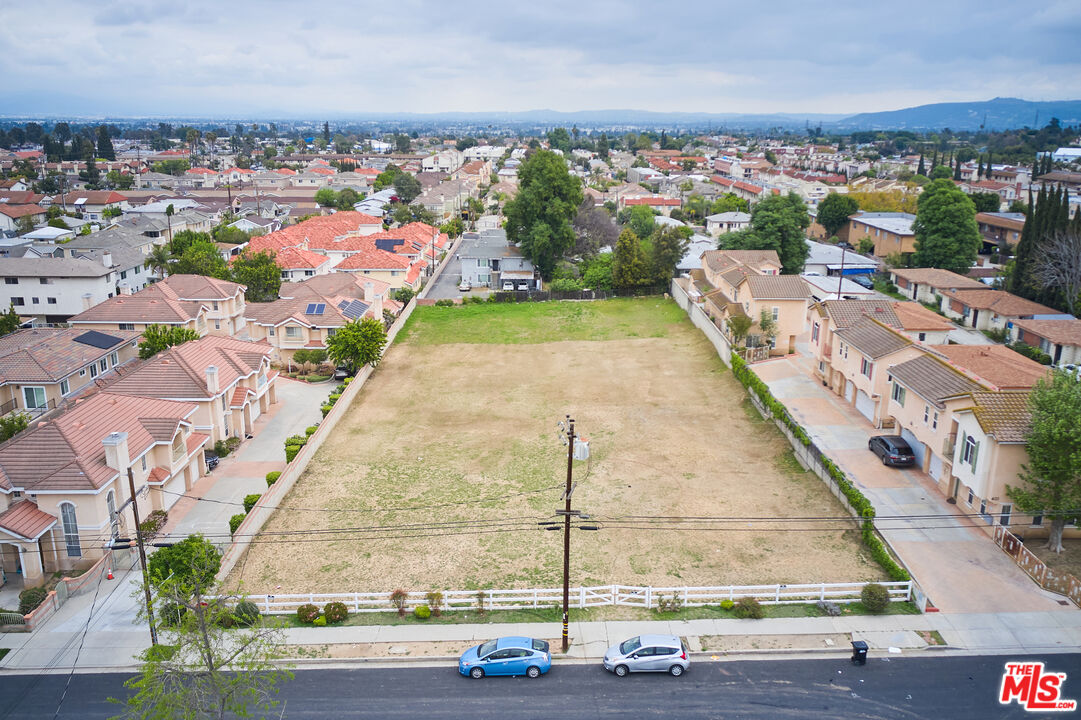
(856, 499)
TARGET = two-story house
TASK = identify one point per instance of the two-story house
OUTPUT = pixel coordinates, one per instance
(64, 480)
(889, 231)
(40, 368)
(305, 323)
(297, 263)
(988, 309)
(784, 299)
(863, 354)
(926, 285)
(92, 203)
(229, 380)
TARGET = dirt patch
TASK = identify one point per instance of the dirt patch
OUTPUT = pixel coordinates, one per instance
(1068, 561)
(450, 457)
(734, 643)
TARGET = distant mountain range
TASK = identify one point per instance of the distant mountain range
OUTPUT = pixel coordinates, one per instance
(996, 114)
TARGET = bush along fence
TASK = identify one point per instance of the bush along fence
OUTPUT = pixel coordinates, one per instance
(856, 501)
(581, 597)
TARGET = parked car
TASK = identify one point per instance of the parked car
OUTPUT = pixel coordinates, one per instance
(891, 450)
(862, 281)
(508, 286)
(523, 286)
(506, 656)
(464, 286)
(212, 459)
(341, 372)
(647, 653)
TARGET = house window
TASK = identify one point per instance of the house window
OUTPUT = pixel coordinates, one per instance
(970, 451)
(64, 387)
(866, 367)
(285, 274)
(217, 325)
(123, 274)
(71, 530)
(110, 503)
(11, 281)
(34, 397)
(1037, 521)
(93, 370)
(82, 373)
(144, 463)
(126, 326)
(934, 421)
(814, 333)
(309, 273)
(45, 281)
(926, 414)
(983, 507)
(51, 301)
(17, 301)
(215, 304)
(292, 332)
(971, 497)
(270, 332)
(923, 336)
(114, 358)
(776, 314)
(104, 364)
(35, 301)
(898, 394)
(1004, 514)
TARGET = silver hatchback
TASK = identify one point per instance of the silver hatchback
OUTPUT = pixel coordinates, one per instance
(647, 653)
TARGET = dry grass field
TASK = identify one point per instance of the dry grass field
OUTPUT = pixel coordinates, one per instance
(458, 425)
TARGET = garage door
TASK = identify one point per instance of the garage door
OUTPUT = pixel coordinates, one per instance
(850, 391)
(172, 490)
(256, 411)
(917, 446)
(865, 405)
(935, 469)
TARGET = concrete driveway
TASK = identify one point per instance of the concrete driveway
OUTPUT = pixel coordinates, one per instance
(953, 559)
(446, 285)
(244, 472)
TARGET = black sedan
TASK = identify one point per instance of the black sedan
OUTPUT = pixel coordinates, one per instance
(892, 450)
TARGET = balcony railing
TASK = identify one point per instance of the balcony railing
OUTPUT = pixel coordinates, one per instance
(949, 444)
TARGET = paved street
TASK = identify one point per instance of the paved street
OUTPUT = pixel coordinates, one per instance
(824, 689)
(956, 563)
(446, 285)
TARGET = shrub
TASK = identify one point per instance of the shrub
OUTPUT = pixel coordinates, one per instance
(315, 378)
(310, 430)
(323, 409)
(291, 452)
(422, 612)
(444, 303)
(999, 335)
(398, 600)
(153, 523)
(875, 597)
(307, 613)
(672, 604)
(828, 608)
(748, 608)
(30, 598)
(867, 246)
(565, 285)
(727, 604)
(234, 522)
(232, 443)
(246, 613)
(250, 500)
(296, 439)
(320, 621)
(221, 449)
(335, 612)
(435, 602)
(333, 398)
(482, 598)
(272, 477)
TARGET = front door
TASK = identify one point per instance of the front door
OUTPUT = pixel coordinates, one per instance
(975, 317)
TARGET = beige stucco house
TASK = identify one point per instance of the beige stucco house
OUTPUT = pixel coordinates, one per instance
(863, 353)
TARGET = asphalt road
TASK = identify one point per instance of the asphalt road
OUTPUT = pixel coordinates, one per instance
(446, 285)
(952, 688)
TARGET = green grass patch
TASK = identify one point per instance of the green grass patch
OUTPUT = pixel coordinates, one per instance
(541, 322)
(3, 652)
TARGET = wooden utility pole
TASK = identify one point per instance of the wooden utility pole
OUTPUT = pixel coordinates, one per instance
(567, 534)
(142, 561)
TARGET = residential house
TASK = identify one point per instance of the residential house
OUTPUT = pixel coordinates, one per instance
(64, 480)
(726, 222)
(488, 255)
(657, 203)
(224, 300)
(1000, 231)
(446, 161)
(921, 324)
(229, 380)
(716, 263)
(832, 260)
(994, 309)
(297, 263)
(891, 232)
(1060, 339)
(92, 203)
(927, 285)
(306, 322)
(742, 291)
(158, 304)
(822, 287)
(40, 368)
(11, 216)
(863, 353)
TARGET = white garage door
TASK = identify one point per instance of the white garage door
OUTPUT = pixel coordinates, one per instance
(865, 405)
(172, 490)
(917, 446)
(935, 468)
(850, 391)
(255, 411)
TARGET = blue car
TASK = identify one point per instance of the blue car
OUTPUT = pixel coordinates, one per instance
(506, 656)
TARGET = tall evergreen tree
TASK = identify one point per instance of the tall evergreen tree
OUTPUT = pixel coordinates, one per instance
(1022, 261)
(987, 172)
(1036, 166)
(957, 169)
(934, 161)
(921, 170)
(979, 169)
(105, 144)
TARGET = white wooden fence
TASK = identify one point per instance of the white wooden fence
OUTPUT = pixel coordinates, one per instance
(584, 597)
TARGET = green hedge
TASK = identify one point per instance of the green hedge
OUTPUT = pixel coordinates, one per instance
(856, 499)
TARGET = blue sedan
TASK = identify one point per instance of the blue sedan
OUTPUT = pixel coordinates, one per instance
(506, 656)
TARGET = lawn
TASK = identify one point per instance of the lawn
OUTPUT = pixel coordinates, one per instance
(458, 425)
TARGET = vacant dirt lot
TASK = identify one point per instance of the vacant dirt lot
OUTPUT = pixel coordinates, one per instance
(442, 424)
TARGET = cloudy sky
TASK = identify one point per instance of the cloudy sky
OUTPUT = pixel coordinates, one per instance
(288, 59)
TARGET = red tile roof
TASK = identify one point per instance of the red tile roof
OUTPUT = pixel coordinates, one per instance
(372, 258)
(19, 211)
(297, 258)
(663, 201)
(25, 521)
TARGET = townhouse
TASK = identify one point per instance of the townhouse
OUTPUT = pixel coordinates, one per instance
(994, 309)
(726, 222)
(863, 353)
(41, 368)
(891, 232)
(64, 480)
(1060, 339)
(1000, 231)
(230, 382)
(927, 285)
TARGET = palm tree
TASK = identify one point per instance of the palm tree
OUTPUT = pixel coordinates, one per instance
(158, 259)
(169, 219)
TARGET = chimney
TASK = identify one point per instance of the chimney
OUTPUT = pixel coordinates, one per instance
(369, 292)
(212, 380)
(107, 259)
(376, 306)
(87, 301)
(116, 451)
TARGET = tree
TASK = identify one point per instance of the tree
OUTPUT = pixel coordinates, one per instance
(602, 147)
(169, 212)
(326, 132)
(1053, 473)
(326, 197)
(834, 211)
(739, 326)
(200, 258)
(401, 143)
(1058, 266)
(560, 139)
(777, 223)
(921, 169)
(158, 259)
(406, 187)
(941, 172)
(597, 274)
(259, 273)
(986, 202)
(629, 265)
(945, 228)
(205, 671)
(453, 227)
(119, 180)
(641, 220)
(161, 337)
(538, 219)
(357, 344)
(669, 246)
(767, 326)
(13, 424)
(105, 144)
(593, 229)
(729, 202)
(9, 321)
(387, 177)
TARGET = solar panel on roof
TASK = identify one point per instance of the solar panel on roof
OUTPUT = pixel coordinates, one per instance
(315, 309)
(387, 244)
(352, 309)
(97, 339)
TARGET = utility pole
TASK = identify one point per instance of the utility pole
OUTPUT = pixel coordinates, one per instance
(142, 560)
(841, 278)
(567, 533)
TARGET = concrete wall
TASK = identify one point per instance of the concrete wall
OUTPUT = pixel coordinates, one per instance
(702, 322)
